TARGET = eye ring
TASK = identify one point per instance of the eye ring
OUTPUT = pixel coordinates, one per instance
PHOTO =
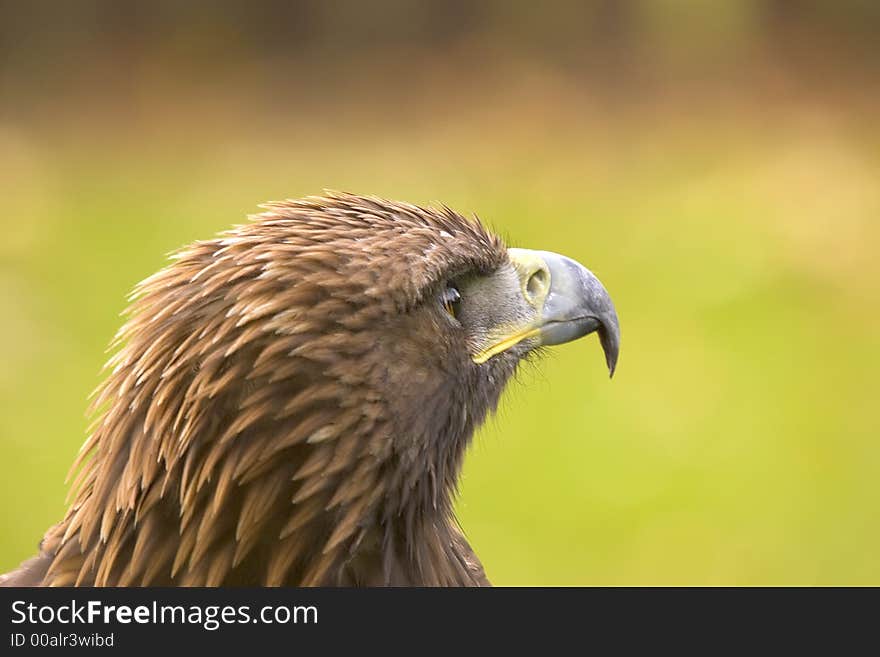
(451, 300)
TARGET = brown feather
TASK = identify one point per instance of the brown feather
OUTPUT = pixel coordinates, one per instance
(281, 410)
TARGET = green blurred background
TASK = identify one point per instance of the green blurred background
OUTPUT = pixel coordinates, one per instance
(717, 164)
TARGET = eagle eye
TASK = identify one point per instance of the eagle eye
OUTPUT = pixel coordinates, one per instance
(451, 299)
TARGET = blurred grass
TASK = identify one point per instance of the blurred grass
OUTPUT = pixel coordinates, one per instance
(738, 442)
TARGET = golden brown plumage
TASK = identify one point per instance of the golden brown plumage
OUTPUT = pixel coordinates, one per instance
(289, 404)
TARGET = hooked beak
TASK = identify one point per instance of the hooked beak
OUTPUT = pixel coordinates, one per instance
(567, 302)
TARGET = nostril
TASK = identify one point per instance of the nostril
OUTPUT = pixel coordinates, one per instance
(538, 283)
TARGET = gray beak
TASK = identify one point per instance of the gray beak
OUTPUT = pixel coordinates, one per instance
(571, 302)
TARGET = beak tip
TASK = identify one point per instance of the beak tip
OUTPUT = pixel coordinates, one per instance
(612, 365)
(609, 338)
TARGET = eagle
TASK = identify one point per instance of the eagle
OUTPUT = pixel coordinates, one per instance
(289, 404)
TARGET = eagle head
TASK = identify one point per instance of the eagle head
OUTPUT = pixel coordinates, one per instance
(289, 403)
